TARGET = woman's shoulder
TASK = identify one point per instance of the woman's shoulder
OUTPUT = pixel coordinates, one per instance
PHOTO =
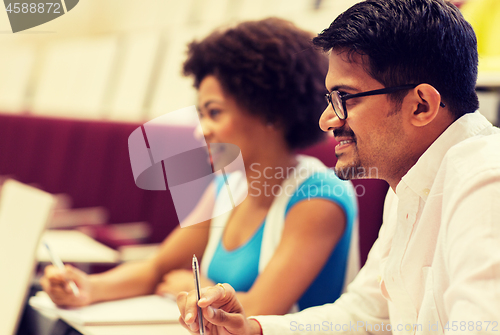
(326, 183)
(319, 175)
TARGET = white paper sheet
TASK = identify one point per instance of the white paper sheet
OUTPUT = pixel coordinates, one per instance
(150, 309)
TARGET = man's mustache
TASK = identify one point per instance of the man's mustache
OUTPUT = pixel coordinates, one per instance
(343, 132)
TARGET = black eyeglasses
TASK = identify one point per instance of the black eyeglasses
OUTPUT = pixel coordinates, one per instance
(338, 99)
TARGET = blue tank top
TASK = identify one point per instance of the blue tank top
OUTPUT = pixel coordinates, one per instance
(240, 267)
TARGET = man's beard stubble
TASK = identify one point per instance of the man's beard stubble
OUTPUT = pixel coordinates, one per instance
(351, 170)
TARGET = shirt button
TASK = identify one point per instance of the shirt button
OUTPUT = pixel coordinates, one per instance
(426, 191)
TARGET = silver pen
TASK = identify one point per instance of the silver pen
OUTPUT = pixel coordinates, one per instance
(196, 275)
(56, 261)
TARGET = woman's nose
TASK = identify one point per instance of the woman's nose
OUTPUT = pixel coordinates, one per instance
(203, 130)
(198, 133)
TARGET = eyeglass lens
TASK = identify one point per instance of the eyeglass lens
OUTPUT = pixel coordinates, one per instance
(335, 100)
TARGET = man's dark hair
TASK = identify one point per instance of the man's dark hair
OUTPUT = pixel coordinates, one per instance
(411, 42)
(272, 70)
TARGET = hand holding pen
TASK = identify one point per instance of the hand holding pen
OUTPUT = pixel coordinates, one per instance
(56, 261)
(60, 282)
(218, 309)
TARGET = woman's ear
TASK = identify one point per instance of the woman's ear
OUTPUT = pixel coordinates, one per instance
(427, 105)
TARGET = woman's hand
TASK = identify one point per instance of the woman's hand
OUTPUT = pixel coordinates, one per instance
(177, 281)
(222, 312)
(56, 283)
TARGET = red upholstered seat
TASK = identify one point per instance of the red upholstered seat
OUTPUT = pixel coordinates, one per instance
(87, 160)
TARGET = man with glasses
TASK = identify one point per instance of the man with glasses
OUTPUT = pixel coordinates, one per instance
(402, 101)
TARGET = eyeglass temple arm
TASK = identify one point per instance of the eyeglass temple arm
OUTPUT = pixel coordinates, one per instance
(385, 91)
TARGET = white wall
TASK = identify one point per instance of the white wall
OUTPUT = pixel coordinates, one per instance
(121, 59)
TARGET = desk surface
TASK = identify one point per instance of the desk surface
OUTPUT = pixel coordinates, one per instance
(76, 247)
(170, 329)
(36, 322)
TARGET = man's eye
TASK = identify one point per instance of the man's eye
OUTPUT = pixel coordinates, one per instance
(353, 101)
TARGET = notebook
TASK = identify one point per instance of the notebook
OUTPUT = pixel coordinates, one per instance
(75, 247)
(24, 213)
(149, 309)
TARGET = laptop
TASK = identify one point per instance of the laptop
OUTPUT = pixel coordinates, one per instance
(24, 213)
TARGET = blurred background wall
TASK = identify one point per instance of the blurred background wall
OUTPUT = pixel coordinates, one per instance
(121, 59)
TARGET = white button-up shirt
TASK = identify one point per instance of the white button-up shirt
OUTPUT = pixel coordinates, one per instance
(435, 267)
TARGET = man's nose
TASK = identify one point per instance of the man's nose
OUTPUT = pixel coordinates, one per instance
(329, 119)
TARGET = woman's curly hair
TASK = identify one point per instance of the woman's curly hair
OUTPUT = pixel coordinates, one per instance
(272, 70)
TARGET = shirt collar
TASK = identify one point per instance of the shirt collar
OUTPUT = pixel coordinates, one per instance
(421, 175)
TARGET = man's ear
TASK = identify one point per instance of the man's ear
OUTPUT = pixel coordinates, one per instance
(427, 104)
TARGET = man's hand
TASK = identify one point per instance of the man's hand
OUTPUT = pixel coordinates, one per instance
(222, 312)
